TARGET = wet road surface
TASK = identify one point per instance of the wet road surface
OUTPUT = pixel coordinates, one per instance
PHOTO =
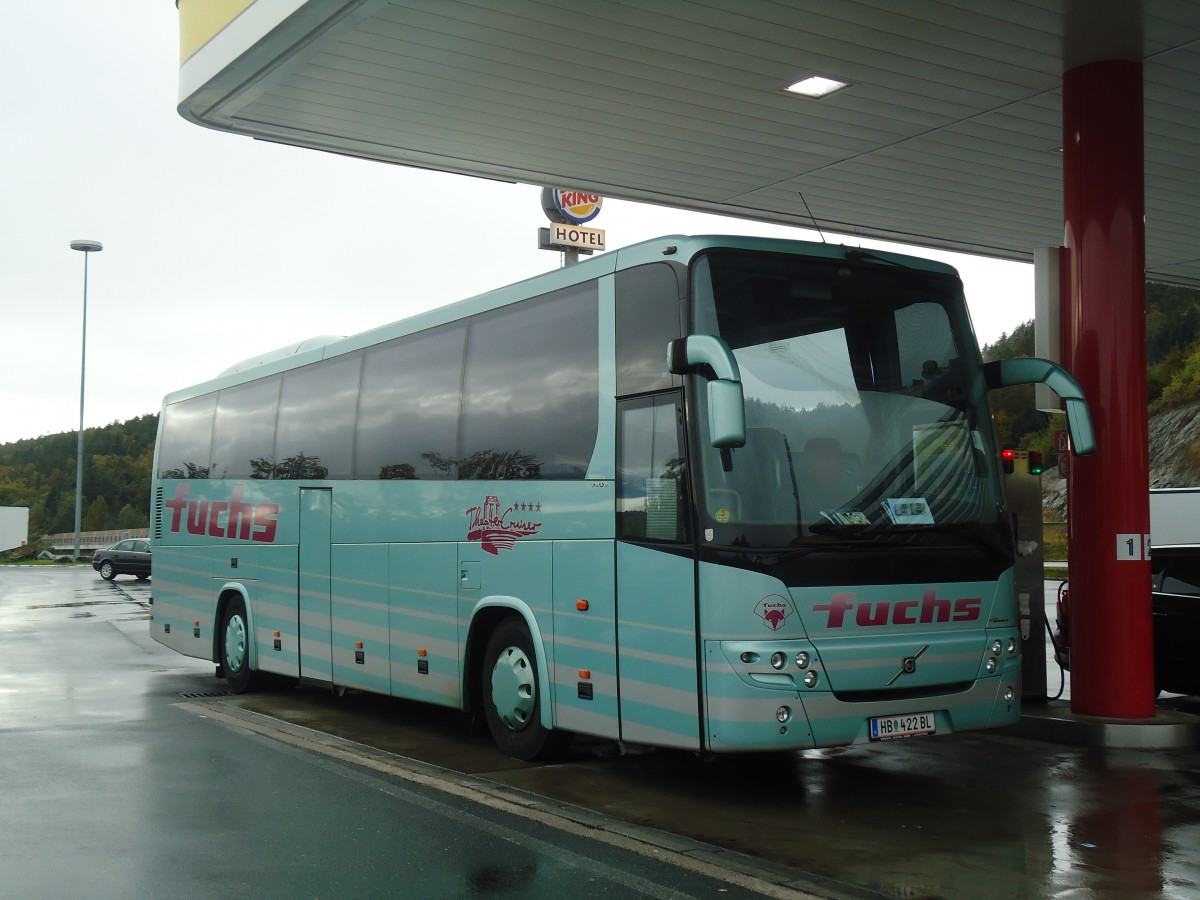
(980, 815)
(114, 782)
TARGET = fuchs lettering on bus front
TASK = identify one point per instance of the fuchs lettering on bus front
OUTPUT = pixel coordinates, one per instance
(930, 610)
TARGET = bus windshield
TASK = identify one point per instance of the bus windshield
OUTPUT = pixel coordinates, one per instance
(865, 409)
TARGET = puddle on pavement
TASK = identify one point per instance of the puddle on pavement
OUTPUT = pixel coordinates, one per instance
(79, 603)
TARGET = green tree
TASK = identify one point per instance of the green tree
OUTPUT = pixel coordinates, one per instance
(97, 517)
(129, 517)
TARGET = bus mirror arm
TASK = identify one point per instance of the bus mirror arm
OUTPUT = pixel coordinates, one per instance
(726, 400)
(1031, 370)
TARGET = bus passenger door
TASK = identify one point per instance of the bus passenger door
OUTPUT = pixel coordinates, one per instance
(312, 582)
(656, 577)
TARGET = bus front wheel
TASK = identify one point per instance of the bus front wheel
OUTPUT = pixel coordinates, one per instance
(235, 646)
(512, 703)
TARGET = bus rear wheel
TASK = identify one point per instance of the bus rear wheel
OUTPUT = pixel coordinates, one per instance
(235, 646)
(512, 703)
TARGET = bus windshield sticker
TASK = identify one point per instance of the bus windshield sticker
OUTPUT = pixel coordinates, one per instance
(498, 528)
(846, 516)
(908, 511)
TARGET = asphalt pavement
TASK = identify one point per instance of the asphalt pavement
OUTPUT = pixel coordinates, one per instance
(113, 783)
(125, 770)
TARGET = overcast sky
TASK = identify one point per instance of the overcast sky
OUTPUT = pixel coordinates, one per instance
(218, 248)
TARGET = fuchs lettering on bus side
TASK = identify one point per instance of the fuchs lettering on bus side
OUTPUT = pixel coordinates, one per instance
(931, 609)
(496, 528)
(233, 518)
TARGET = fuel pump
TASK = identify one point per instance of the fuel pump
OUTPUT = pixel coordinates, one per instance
(1023, 484)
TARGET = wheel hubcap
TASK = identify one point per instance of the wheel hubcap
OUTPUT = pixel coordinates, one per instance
(514, 688)
(235, 643)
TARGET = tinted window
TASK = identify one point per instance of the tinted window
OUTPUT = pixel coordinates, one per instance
(186, 436)
(651, 497)
(408, 411)
(648, 317)
(1182, 576)
(315, 434)
(531, 390)
(244, 432)
(856, 379)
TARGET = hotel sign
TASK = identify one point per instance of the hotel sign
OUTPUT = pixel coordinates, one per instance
(558, 235)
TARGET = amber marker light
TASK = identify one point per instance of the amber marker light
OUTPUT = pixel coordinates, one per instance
(581, 605)
(358, 645)
(585, 674)
(421, 651)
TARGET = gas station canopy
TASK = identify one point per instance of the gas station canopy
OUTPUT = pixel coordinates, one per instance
(947, 134)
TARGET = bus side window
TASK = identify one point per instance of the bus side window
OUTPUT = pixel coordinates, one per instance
(531, 388)
(186, 441)
(648, 317)
(243, 444)
(651, 490)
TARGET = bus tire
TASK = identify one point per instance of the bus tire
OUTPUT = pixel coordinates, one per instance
(235, 646)
(512, 702)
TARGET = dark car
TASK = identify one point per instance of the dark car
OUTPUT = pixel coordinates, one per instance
(129, 557)
(1175, 601)
(1176, 586)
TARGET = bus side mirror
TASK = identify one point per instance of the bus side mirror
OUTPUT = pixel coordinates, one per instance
(1031, 370)
(726, 402)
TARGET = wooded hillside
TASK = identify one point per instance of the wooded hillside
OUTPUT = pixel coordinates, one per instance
(40, 473)
(1172, 380)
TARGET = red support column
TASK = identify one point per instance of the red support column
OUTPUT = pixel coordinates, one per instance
(1112, 645)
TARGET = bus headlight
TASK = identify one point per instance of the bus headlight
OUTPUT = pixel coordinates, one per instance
(997, 647)
(810, 678)
(802, 659)
(1009, 693)
(783, 714)
(1012, 646)
(778, 659)
(990, 665)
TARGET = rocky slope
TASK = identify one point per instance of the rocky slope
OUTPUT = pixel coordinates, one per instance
(1174, 459)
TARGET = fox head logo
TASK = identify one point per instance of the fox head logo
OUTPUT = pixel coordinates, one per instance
(774, 610)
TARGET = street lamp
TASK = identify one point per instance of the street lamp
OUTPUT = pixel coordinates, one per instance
(87, 247)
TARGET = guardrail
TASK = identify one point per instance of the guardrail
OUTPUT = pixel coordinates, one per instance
(93, 540)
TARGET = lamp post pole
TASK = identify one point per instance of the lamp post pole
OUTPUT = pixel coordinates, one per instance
(86, 247)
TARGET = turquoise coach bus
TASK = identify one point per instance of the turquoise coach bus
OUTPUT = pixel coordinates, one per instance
(717, 493)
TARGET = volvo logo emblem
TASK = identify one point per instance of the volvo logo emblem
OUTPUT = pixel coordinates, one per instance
(908, 665)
